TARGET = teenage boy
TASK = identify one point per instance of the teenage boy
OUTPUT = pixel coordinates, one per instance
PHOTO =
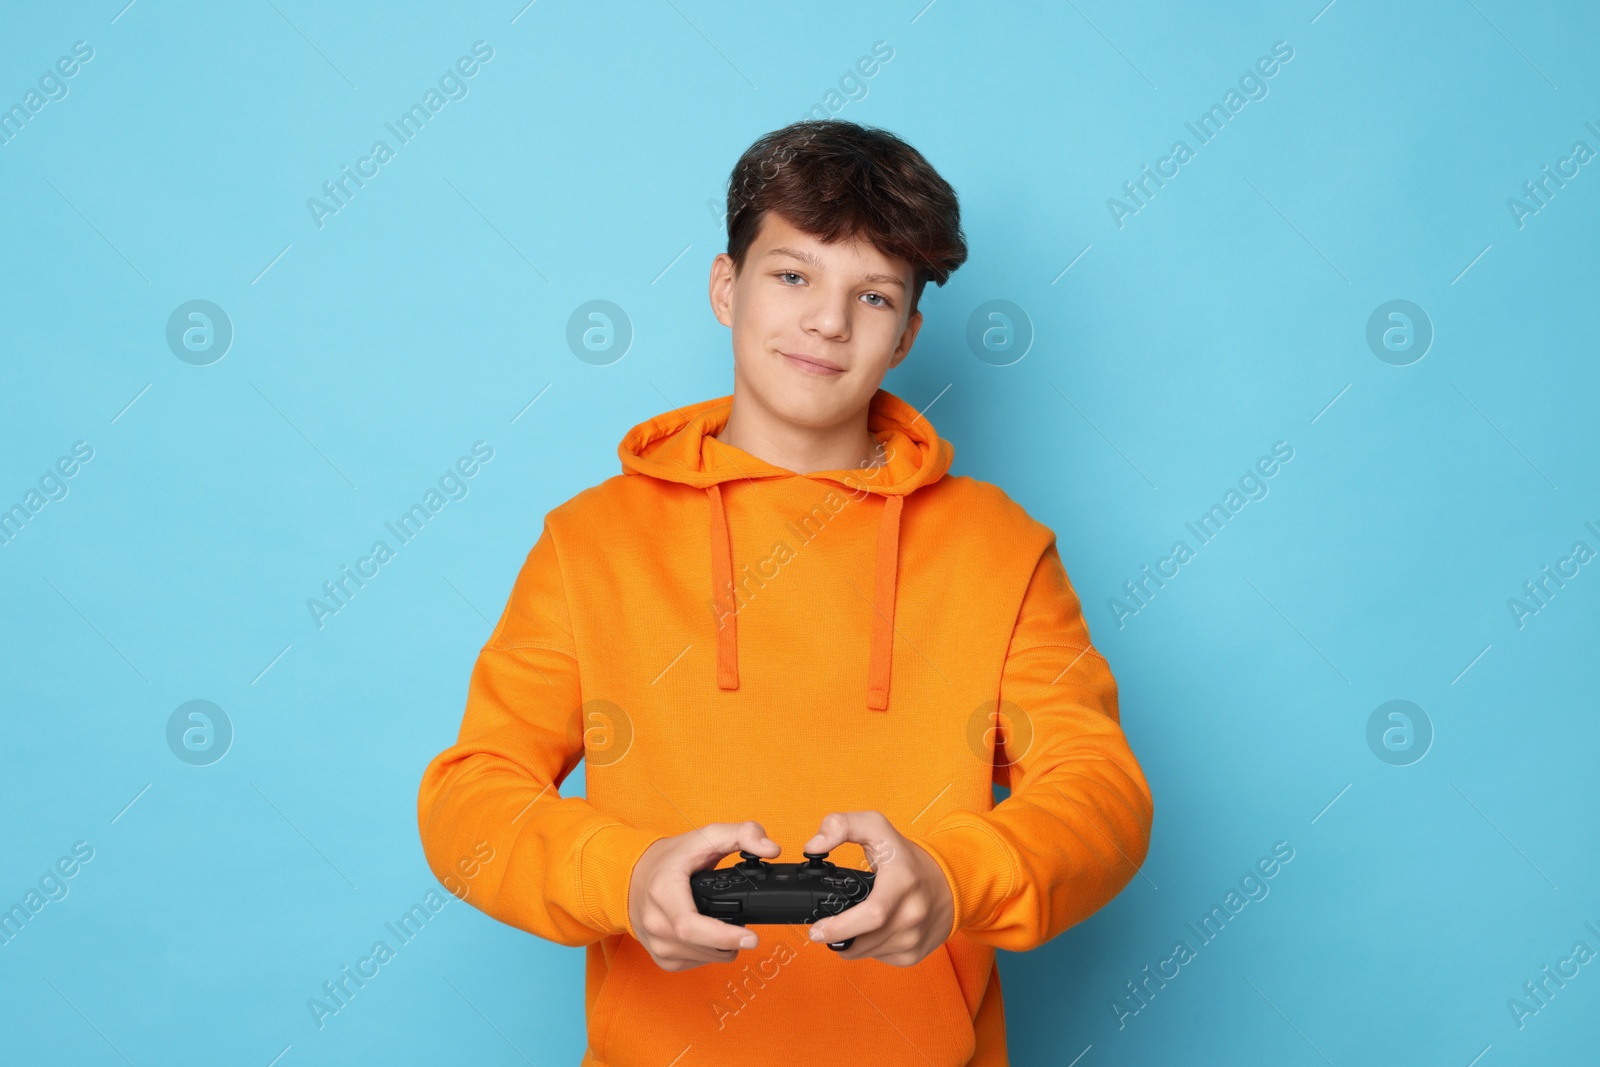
(785, 628)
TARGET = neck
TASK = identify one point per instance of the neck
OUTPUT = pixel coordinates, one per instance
(753, 428)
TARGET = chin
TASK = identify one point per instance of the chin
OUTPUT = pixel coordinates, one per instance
(805, 407)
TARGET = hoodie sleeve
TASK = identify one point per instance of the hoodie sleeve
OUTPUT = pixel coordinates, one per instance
(1076, 826)
(494, 827)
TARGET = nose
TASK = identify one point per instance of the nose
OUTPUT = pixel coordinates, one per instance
(827, 315)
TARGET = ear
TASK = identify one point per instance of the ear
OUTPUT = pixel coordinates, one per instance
(907, 336)
(721, 288)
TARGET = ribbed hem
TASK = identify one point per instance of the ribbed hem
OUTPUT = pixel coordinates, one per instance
(981, 870)
(606, 859)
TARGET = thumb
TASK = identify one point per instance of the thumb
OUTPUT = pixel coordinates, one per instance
(718, 839)
(751, 836)
(835, 830)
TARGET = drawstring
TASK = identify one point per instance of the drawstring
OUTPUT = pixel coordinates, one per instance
(722, 594)
(883, 598)
(883, 605)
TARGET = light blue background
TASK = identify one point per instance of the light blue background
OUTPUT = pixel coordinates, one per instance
(588, 162)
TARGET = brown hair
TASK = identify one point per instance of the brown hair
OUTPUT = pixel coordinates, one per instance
(836, 180)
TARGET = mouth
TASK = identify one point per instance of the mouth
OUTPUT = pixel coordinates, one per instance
(813, 365)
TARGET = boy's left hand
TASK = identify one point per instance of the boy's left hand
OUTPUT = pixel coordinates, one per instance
(909, 911)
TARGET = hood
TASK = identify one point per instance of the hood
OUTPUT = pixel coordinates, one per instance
(680, 446)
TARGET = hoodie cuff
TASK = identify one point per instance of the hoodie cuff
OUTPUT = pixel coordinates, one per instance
(606, 860)
(977, 863)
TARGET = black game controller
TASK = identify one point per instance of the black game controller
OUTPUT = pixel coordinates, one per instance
(755, 891)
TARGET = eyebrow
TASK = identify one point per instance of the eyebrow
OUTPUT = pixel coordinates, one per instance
(807, 257)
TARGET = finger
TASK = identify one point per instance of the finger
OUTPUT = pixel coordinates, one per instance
(703, 933)
(677, 902)
(683, 960)
(690, 954)
(862, 827)
(870, 915)
(677, 912)
(833, 831)
(697, 938)
(872, 945)
(895, 943)
(707, 939)
(711, 842)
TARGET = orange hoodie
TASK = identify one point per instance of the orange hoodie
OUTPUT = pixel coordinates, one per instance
(725, 640)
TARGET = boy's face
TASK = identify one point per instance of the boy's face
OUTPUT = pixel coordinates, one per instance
(815, 326)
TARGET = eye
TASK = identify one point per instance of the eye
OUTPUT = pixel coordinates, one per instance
(881, 297)
(787, 274)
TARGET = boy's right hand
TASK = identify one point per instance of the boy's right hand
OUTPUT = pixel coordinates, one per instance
(662, 909)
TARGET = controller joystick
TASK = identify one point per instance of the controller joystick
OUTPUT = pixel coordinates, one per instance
(759, 891)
